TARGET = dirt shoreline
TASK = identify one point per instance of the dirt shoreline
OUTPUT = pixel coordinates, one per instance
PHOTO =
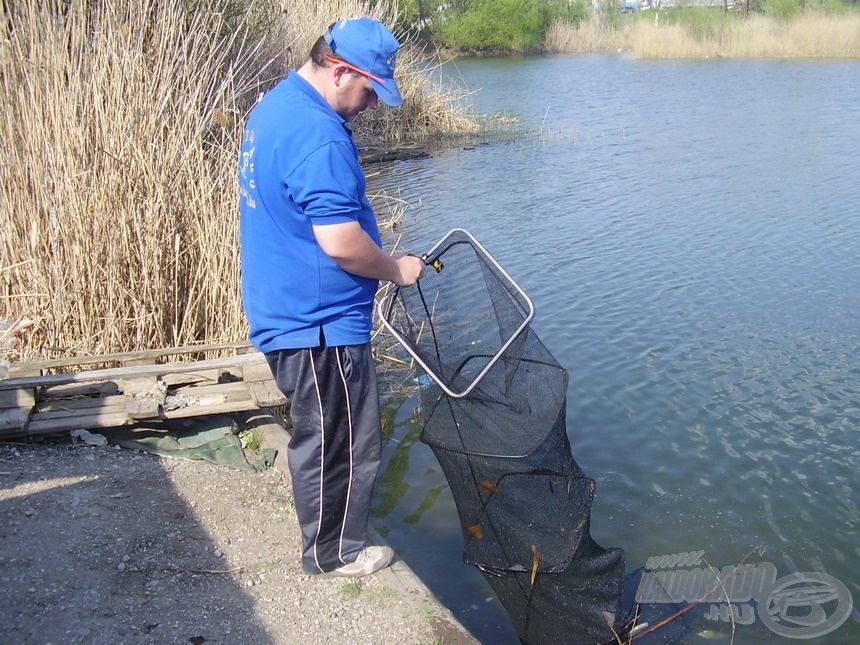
(108, 545)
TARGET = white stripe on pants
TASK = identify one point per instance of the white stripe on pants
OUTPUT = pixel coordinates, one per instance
(335, 447)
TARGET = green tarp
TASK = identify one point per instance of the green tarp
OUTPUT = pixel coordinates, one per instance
(213, 439)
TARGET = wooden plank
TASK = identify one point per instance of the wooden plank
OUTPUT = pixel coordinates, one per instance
(18, 370)
(266, 394)
(190, 378)
(99, 414)
(257, 372)
(111, 397)
(17, 398)
(142, 385)
(47, 410)
(121, 409)
(232, 362)
(210, 388)
(28, 368)
(142, 408)
(223, 408)
(101, 419)
(113, 416)
(105, 420)
(140, 360)
(105, 388)
(13, 418)
(222, 393)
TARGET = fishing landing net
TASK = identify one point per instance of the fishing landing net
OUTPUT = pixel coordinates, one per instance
(493, 400)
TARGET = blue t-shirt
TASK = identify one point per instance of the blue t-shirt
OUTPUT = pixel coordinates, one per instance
(298, 168)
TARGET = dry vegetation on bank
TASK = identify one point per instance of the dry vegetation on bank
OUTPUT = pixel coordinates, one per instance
(709, 33)
(120, 125)
(120, 130)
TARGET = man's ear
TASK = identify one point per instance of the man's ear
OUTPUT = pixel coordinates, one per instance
(339, 71)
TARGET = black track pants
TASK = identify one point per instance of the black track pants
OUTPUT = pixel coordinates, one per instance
(335, 447)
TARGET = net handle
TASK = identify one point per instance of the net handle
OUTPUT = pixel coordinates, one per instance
(389, 298)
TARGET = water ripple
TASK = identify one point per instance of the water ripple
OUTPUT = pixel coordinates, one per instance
(693, 259)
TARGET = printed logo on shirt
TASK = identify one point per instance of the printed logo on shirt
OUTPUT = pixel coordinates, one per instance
(247, 183)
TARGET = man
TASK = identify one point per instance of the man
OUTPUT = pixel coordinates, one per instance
(312, 259)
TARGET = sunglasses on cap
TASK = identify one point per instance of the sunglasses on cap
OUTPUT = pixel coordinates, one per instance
(349, 66)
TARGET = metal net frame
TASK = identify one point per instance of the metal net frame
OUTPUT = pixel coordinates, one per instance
(493, 401)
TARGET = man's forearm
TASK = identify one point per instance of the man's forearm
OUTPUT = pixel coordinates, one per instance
(355, 251)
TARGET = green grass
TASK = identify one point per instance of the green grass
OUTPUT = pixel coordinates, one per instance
(350, 590)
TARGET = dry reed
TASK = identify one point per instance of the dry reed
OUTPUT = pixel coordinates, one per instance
(808, 35)
(589, 36)
(120, 129)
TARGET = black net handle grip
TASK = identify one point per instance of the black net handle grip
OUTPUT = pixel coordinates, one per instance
(436, 263)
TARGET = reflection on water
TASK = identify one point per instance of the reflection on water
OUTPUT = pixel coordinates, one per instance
(689, 233)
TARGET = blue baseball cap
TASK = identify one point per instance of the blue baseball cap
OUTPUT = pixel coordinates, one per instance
(368, 48)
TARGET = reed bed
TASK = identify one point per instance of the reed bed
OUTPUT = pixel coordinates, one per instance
(120, 130)
(589, 36)
(813, 34)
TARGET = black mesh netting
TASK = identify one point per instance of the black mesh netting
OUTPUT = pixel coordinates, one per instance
(493, 400)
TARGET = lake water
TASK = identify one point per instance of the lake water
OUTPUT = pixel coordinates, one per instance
(690, 235)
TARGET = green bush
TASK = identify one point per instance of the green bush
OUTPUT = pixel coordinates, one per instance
(568, 11)
(702, 22)
(517, 25)
(411, 16)
(783, 8)
(835, 6)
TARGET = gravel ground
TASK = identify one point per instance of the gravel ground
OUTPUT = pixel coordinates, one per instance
(107, 545)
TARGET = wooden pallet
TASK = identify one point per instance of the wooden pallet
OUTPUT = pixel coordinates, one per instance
(34, 401)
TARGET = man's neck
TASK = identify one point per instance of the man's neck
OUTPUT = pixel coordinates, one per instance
(312, 75)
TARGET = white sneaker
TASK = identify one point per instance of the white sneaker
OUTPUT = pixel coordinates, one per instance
(370, 560)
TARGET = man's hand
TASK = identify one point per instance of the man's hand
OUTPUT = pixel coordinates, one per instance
(411, 270)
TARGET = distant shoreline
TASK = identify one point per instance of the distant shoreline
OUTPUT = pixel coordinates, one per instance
(702, 32)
